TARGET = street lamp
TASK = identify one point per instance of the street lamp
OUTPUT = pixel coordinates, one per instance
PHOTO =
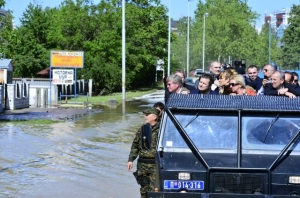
(269, 21)
(123, 57)
(203, 48)
(188, 42)
(169, 39)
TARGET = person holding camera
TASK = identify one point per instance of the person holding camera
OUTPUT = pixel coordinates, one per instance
(268, 71)
(215, 70)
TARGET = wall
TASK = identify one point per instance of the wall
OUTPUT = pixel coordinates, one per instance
(42, 94)
(1, 98)
(17, 96)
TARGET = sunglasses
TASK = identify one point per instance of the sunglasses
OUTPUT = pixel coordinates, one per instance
(233, 84)
(265, 70)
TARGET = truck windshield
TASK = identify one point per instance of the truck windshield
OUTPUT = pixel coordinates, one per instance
(220, 131)
(258, 135)
(206, 131)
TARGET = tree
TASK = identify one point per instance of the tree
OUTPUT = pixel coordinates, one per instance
(146, 38)
(7, 35)
(229, 31)
(291, 41)
(2, 3)
(179, 46)
(95, 29)
(31, 49)
(266, 35)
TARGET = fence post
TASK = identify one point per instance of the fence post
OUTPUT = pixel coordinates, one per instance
(90, 87)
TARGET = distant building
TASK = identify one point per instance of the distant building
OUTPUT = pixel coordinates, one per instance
(279, 22)
(174, 25)
(3, 12)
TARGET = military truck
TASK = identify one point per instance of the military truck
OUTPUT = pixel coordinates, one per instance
(213, 146)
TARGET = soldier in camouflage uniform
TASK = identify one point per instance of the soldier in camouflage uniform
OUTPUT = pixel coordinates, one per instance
(144, 145)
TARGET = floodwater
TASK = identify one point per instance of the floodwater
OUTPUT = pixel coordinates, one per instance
(82, 158)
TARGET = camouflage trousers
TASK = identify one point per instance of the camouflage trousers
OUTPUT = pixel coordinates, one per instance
(147, 175)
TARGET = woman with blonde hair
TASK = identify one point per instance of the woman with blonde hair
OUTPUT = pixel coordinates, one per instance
(238, 86)
(224, 81)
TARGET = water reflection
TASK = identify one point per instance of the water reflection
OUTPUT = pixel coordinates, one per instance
(86, 158)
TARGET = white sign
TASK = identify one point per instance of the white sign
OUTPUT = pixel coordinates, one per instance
(63, 76)
(159, 68)
(160, 62)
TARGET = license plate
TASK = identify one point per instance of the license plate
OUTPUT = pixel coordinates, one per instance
(181, 184)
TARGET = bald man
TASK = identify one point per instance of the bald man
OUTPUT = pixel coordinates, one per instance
(278, 87)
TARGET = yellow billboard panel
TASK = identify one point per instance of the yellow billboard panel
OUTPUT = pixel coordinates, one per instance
(71, 59)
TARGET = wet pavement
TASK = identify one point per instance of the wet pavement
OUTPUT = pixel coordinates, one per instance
(46, 113)
(67, 113)
(77, 158)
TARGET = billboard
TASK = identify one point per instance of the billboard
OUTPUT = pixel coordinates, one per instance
(71, 59)
(63, 76)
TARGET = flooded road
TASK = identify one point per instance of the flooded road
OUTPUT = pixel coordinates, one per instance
(83, 158)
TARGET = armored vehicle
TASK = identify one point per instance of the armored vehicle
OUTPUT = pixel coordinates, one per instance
(213, 146)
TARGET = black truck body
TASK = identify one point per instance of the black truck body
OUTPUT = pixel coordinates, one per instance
(214, 146)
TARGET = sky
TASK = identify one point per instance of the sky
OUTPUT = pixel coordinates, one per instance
(179, 8)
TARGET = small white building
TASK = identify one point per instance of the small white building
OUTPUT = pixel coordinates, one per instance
(12, 96)
(6, 69)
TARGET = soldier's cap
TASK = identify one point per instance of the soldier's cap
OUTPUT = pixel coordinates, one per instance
(151, 110)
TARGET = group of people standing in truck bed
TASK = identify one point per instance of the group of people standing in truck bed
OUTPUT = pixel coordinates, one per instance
(220, 81)
(233, 81)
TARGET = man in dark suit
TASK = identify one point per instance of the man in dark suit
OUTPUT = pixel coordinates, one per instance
(253, 80)
(204, 85)
(268, 71)
(179, 73)
(280, 88)
(288, 77)
(296, 79)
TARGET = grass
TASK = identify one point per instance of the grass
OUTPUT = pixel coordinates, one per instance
(117, 96)
(37, 122)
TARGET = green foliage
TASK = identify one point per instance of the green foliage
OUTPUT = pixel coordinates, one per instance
(266, 35)
(290, 51)
(2, 3)
(179, 46)
(7, 35)
(229, 31)
(38, 123)
(95, 29)
(130, 95)
(31, 48)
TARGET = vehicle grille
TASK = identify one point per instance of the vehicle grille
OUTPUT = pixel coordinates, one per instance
(238, 183)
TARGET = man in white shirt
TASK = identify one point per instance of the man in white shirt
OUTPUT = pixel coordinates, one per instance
(215, 70)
